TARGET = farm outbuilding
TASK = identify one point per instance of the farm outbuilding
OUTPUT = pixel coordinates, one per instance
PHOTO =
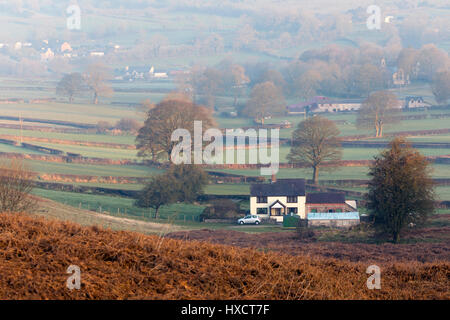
(333, 219)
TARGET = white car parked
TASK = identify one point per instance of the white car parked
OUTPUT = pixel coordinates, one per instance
(250, 219)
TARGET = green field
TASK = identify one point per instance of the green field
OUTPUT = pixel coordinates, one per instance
(104, 138)
(442, 192)
(118, 206)
(82, 113)
(92, 170)
(93, 151)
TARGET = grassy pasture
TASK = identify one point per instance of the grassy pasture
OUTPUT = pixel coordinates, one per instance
(367, 153)
(14, 149)
(118, 206)
(339, 173)
(105, 138)
(228, 189)
(93, 151)
(83, 113)
(89, 169)
(113, 153)
(351, 129)
(442, 192)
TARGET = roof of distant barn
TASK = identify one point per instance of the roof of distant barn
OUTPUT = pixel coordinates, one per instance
(315, 100)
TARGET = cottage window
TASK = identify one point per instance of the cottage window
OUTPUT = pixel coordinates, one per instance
(292, 210)
(261, 211)
(261, 199)
(292, 199)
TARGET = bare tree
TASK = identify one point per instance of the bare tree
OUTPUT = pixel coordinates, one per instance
(194, 80)
(239, 81)
(128, 125)
(70, 85)
(441, 86)
(266, 100)
(378, 110)
(307, 84)
(96, 77)
(430, 60)
(162, 120)
(368, 77)
(16, 184)
(407, 61)
(314, 142)
(211, 84)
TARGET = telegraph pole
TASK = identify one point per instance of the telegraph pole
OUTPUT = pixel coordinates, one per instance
(21, 128)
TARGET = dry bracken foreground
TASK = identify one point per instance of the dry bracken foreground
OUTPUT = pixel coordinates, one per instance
(369, 253)
(35, 254)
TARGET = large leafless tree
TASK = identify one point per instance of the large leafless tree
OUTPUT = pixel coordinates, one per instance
(379, 109)
(441, 86)
(314, 142)
(96, 77)
(266, 99)
(70, 85)
(154, 137)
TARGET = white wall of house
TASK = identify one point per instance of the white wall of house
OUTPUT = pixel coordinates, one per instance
(300, 205)
(338, 106)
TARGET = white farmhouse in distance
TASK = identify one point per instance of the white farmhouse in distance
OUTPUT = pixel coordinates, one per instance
(279, 198)
(97, 54)
(288, 197)
(157, 75)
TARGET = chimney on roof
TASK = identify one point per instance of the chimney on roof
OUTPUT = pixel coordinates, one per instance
(274, 178)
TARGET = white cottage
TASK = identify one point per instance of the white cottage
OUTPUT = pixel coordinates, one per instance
(279, 198)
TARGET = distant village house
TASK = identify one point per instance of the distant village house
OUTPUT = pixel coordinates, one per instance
(415, 102)
(321, 104)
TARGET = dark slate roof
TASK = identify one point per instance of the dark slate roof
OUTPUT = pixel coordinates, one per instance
(325, 197)
(311, 103)
(283, 187)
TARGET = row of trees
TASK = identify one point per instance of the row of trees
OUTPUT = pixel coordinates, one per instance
(227, 77)
(94, 79)
(331, 71)
(441, 86)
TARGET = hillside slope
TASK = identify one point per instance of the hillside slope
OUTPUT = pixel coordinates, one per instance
(35, 254)
(55, 210)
